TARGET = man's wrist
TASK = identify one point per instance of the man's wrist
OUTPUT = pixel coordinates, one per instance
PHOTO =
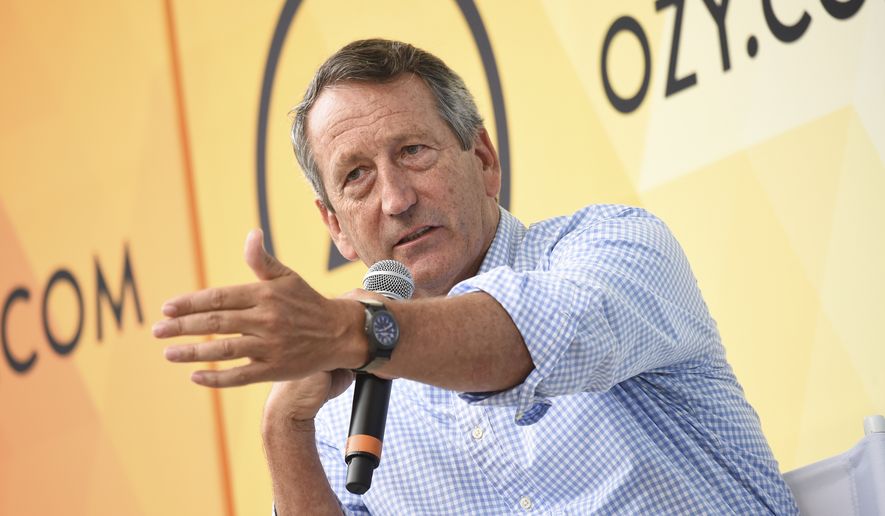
(352, 350)
(274, 421)
(281, 431)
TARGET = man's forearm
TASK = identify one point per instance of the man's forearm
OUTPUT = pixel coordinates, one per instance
(299, 482)
(466, 343)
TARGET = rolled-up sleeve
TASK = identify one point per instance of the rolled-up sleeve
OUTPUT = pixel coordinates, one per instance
(607, 299)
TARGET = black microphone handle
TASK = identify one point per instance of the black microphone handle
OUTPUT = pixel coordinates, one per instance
(367, 420)
(371, 394)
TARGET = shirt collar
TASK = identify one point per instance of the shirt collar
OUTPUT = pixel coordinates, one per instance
(508, 236)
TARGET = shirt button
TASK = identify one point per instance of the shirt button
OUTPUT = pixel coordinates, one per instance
(526, 503)
(477, 433)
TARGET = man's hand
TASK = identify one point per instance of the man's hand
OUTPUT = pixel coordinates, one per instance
(298, 401)
(286, 328)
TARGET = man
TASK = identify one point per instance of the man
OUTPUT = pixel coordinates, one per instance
(568, 367)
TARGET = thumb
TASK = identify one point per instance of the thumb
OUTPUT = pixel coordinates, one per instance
(264, 266)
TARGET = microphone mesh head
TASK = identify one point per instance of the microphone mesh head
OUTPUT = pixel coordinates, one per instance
(391, 279)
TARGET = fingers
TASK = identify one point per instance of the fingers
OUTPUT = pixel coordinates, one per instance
(222, 298)
(341, 380)
(221, 349)
(233, 377)
(264, 266)
(208, 323)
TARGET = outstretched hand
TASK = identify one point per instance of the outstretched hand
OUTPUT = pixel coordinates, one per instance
(283, 326)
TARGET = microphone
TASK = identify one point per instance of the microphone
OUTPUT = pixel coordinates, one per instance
(371, 394)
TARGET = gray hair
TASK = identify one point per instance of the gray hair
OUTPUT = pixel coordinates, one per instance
(380, 61)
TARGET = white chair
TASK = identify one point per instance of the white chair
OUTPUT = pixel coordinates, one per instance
(852, 483)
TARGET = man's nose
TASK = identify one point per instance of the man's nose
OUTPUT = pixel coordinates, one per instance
(397, 191)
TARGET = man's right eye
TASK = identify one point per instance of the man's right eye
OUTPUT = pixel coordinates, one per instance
(354, 175)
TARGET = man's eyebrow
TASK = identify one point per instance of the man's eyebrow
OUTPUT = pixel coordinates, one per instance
(419, 133)
(344, 159)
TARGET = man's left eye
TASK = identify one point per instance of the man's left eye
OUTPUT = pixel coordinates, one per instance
(412, 149)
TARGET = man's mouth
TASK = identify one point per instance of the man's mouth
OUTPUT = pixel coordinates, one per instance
(414, 236)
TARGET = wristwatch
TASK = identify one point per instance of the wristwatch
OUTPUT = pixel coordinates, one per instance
(382, 332)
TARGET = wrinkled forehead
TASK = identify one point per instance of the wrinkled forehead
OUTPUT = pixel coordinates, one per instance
(361, 99)
(361, 109)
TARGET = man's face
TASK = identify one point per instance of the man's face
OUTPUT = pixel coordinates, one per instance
(400, 184)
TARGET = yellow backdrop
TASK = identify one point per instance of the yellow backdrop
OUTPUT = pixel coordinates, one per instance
(140, 141)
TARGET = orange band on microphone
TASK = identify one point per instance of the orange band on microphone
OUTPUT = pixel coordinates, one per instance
(363, 443)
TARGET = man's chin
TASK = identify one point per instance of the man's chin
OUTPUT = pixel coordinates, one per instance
(431, 279)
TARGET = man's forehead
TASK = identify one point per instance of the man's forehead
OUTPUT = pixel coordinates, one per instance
(406, 102)
(406, 91)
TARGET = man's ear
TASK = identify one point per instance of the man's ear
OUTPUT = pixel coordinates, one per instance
(335, 231)
(491, 167)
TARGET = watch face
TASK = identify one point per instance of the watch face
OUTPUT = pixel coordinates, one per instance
(385, 329)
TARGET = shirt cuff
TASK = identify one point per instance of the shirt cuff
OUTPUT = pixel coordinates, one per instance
(546, 330)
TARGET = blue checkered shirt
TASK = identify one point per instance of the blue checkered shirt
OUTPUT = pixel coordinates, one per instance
(631, 407)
